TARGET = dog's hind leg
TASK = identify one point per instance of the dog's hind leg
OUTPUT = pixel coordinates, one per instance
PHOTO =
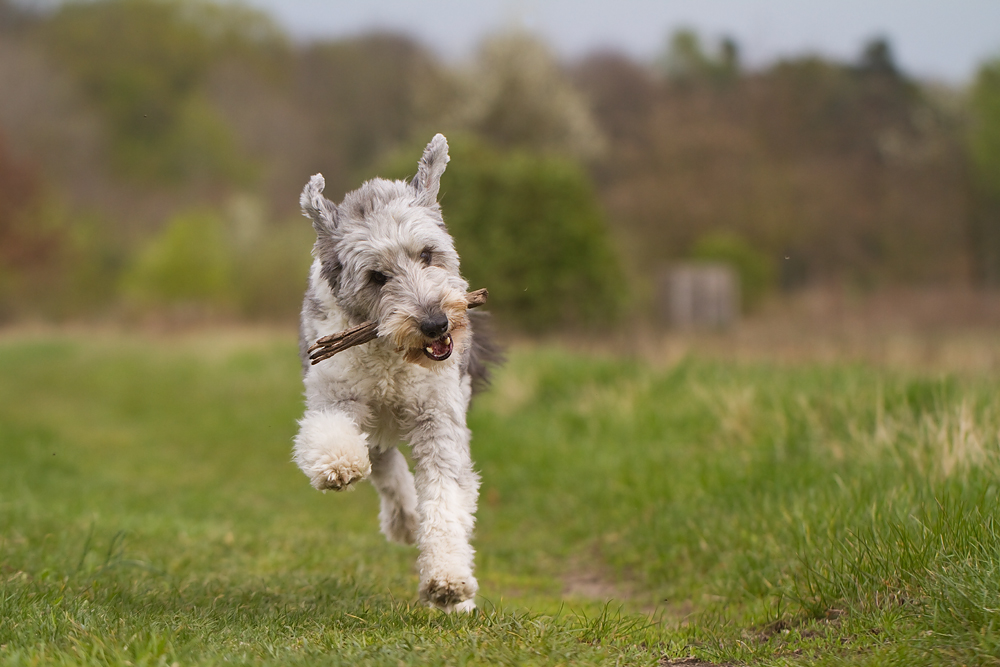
(394, 482)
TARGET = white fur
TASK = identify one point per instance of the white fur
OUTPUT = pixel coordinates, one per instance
(331, 450)
(394, 482)
(363, 402)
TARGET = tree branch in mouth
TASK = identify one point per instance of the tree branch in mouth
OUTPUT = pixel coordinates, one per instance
(327, 346)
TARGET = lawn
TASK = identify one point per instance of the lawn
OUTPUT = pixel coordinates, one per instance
(696, 512)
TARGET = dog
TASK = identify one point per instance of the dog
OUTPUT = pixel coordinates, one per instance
(384, 255)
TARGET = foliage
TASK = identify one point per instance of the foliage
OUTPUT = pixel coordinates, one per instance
(984, 146)
(685, 61)
(188, 264)
(208, 262)
(984, 159)
(517, 96)
(143, 62)
(271, 262)
(53, 262)
(852, 171)
(529, 227)
(21, 243)
(621, 95)
(368, 95)
(755, 270)
(130, 111)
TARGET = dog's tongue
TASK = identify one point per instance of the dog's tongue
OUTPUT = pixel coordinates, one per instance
(440, 349)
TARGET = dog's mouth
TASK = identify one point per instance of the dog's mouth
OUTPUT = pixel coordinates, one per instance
(440, 349)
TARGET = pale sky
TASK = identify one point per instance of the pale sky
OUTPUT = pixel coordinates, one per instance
(939, 39)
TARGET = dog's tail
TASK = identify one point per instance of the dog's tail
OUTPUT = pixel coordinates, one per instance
(486, 352)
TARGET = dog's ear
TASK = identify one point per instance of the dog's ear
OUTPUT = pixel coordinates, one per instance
(427, 182)
(318, 208)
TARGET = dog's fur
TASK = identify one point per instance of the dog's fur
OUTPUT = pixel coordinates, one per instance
(384, 255)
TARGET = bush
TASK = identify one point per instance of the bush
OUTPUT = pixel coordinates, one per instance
(207, 262)
(755, 269)
(188, 265)
(272, 270)
(529, 228)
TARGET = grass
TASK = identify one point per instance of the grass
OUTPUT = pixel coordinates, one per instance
(723, 512)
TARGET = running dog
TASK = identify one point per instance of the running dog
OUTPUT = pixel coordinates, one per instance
(384, 255)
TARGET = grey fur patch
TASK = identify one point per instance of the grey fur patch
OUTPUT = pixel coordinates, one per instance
(373, 195)
(331, 272)
(312, 307)
(312, 310)
(305, 341)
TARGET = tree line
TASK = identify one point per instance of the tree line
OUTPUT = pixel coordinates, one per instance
(151, 152)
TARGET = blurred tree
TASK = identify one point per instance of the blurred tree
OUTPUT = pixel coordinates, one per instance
(813, 105)
(273, 128)
(22, 244)
(143, 62)
(729, 57)
(755, 269)
(877, 59)
(15, 17)
(850, 171)
(128, 111)
(529, 227)
(621, 93)
(367, 96)
(685, 61)
(517, 96)
(50, 263)
(984, 159)
(44, 115)
(807, 105)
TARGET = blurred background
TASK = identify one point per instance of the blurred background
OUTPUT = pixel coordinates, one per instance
(635, 168)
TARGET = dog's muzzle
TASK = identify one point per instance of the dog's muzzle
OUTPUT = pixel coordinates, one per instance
(440, 349)
(435, 327)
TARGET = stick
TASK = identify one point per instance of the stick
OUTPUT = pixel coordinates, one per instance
(327, 346)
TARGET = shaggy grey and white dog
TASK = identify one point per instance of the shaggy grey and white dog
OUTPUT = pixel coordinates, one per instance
(384, 255)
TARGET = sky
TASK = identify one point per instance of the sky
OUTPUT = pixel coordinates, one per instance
(944, 40)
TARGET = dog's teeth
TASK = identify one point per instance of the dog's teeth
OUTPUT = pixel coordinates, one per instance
(430, 350)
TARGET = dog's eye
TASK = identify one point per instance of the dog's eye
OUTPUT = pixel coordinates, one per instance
(378, 278)
(426, 256)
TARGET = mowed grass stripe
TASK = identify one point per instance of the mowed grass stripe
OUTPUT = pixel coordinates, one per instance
(834, 514)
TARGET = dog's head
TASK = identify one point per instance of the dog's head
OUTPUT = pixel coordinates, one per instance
(387, 257)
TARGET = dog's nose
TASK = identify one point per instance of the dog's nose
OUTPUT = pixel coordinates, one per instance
(435, 325)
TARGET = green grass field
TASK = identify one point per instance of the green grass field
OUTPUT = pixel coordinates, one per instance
(630, 514)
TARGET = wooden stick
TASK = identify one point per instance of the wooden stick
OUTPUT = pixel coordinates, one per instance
(327, 346)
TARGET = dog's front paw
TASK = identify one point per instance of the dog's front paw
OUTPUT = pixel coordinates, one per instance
(331, 451)
(450, 594)
(338, 475)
